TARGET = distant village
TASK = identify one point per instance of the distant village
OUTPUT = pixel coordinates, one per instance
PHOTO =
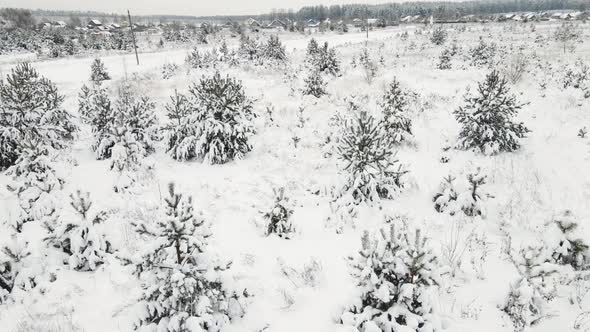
(95, 26)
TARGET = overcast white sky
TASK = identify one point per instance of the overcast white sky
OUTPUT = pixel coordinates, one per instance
(177, 7)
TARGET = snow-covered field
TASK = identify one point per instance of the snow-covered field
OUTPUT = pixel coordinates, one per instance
(304, 283)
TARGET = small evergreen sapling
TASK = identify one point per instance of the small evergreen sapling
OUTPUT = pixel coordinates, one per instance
(465, 196)
(79, 234)
(181, 286)
(487, 118)
(279, 217)
(445, 200)
(369, 160)
(395, 108)
(444, 60)
(212, 123)
(397, 273)
(94, 106)
(35, 181)
(274, 50)
(314, 85)
(439, 36)
(14, 272)
(570, 250)
(98, 72)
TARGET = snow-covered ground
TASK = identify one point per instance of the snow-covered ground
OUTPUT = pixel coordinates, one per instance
(547, 175)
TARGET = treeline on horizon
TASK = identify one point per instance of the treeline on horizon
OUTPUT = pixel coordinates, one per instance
(388, 12)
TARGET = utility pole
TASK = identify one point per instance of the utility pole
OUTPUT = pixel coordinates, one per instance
(367, 21)
(133, 37)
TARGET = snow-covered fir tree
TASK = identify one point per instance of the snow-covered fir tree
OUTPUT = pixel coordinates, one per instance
(369, 158)
(35, 182)
(31, 109)
(127, 160)
(98, 72)
(487, 118)
(249, 49)
(569, 249)
(14, 272)
(439, 36)
(394, 104)
(446, 197)
(323, 59)
(78, 233)
(274, 50)
(444, 60)
(466, 195)
(397, 273)
(137, 115)
(483, 53)
(279, 217)
(212, 123)
(95, 108)
(314, 84)
(182, 291)
(524, 307)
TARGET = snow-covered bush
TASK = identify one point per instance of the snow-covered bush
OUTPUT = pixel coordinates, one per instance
(98, 72)
(373, 171)
(394, 104)
(487, 118)
(182, 290)
(35, 181)
(397, 274)
(578, 77)
(31, 110)
(483, 53)
(314, 85)
(466, 196)
(439, 36)
(213, 123)
(279, 217)
(78, 234)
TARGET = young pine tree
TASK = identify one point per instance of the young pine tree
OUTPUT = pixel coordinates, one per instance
(181, 287)
(95, 108)
(35, 182)
(394, 104)
(98, 72)
(369, 160)
(274, 50)
(212, 123)
(487, 118)
(314, 85)
(279, 216)
(396, 273)
(31, 109)
(79, 235)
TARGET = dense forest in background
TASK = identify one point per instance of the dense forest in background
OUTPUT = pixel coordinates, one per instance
(390, 12)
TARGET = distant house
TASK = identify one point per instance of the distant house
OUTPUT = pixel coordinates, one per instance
(252, 23)
(357, 22)
(311, 23)
(277, 24)
(59, 24)
(94, 24)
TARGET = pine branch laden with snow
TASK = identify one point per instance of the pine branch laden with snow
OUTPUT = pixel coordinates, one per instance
(397, 273)
(279, 217)
(212, 123)
(35, 182)
(31, 109)
(79, 235)
(181, 285)
(487, 118)
(373, 171)
(394, 104)
(98, 72)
